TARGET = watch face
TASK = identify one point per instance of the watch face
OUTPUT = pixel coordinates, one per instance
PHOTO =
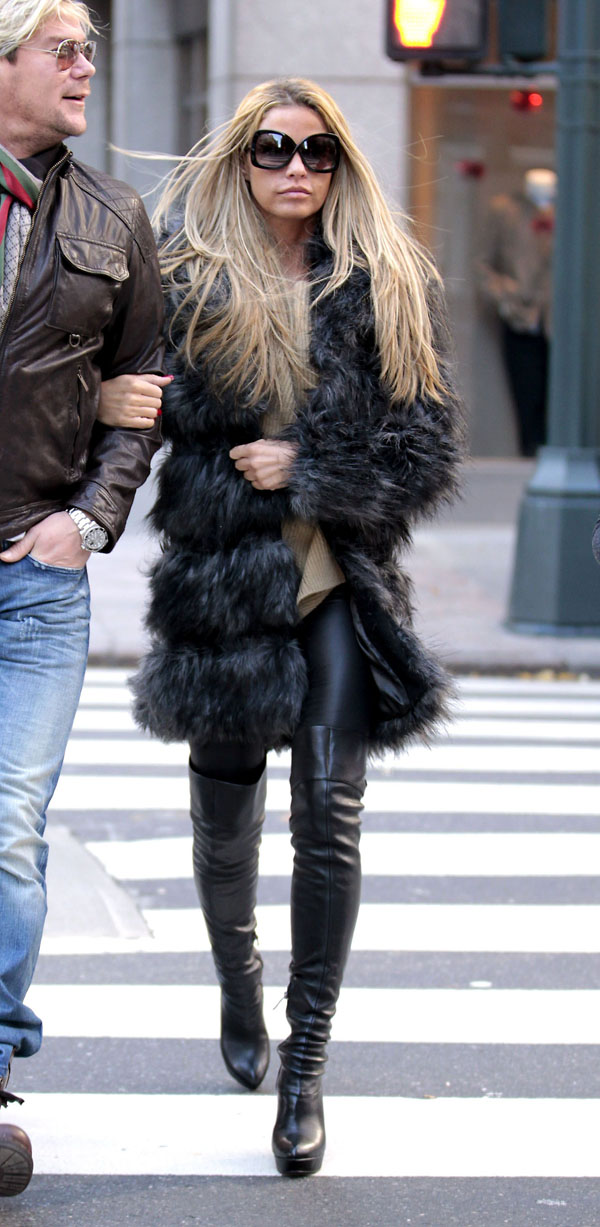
(95, 538)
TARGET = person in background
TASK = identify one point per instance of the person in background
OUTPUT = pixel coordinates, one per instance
(515, 274)
(312, 419)
(80, 300)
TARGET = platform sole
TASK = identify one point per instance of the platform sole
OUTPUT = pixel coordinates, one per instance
(293, 1165)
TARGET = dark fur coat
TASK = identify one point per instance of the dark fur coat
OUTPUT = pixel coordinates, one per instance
(225, 662)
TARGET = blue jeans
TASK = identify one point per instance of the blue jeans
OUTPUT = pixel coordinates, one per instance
(44, 632)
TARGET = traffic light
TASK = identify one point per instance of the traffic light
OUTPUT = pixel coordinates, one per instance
(436, 29)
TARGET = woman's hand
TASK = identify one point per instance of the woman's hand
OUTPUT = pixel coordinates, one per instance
(132, 401)
(265, 463)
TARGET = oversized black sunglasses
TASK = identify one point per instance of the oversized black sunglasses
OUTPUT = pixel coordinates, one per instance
(320, 152)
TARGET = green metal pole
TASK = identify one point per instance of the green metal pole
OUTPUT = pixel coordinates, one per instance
(556, 582)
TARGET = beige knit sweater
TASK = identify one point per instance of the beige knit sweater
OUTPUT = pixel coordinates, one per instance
(318, 568)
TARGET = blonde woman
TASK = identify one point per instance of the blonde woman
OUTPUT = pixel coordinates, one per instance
(311, 419)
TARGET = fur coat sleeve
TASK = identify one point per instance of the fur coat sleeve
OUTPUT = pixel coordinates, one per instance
(361, 459)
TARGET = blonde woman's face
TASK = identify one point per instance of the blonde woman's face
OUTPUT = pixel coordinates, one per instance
(291, 194)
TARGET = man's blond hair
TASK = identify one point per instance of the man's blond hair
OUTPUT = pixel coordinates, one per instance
(20, 19)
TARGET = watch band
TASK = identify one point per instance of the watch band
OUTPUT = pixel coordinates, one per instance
(93, 536)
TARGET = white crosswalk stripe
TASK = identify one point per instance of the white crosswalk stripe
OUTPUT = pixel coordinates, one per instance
(439, 758)
(230, 1136)
(504, 806)
(386, 1015)
(397, 853)
(414, 926)
(394, 927)
(139, 792)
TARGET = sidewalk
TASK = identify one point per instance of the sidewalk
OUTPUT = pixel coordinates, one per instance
(461, 567)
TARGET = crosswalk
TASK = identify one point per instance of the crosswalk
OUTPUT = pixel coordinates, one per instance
(467, 1040)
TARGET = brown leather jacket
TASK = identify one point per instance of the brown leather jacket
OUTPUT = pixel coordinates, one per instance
(87, 306)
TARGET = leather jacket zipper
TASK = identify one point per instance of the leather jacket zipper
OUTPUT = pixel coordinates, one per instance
(81, 378)
(82, 383)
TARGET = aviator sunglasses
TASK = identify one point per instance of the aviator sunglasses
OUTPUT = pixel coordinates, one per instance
(320, 153)
(67, 52)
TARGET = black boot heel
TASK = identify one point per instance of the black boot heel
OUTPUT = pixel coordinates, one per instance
(299, 1133)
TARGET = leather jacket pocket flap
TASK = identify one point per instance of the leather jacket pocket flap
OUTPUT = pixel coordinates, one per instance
(88, 277)
(88, 256)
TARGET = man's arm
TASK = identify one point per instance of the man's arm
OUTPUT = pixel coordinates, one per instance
(119, 459)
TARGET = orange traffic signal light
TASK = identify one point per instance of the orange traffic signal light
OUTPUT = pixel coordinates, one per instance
(436, 29)
(418, 20)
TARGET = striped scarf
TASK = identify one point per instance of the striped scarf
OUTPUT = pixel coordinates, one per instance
(16, 183)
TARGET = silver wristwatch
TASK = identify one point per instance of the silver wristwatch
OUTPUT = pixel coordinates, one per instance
(93, 536)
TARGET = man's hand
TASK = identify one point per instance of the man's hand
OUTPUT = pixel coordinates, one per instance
(132, 401)
(265, 463)
(55, 540)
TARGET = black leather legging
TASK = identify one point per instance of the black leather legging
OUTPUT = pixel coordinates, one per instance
(339, 692)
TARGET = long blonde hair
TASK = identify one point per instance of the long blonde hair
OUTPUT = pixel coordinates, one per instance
(247, 332)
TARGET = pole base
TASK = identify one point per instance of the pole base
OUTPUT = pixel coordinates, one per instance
(556, 580)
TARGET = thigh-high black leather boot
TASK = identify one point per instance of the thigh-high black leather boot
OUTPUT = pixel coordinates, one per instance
(328, 781)
(227, 821)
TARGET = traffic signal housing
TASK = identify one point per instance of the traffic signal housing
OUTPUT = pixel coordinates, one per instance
(523, 29)
(436, 30)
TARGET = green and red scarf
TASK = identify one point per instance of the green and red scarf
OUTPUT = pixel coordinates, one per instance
(15, 184)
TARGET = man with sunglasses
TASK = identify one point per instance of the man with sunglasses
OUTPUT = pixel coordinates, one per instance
(80, 301)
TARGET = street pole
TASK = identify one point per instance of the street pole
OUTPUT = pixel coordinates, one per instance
(556, 582)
